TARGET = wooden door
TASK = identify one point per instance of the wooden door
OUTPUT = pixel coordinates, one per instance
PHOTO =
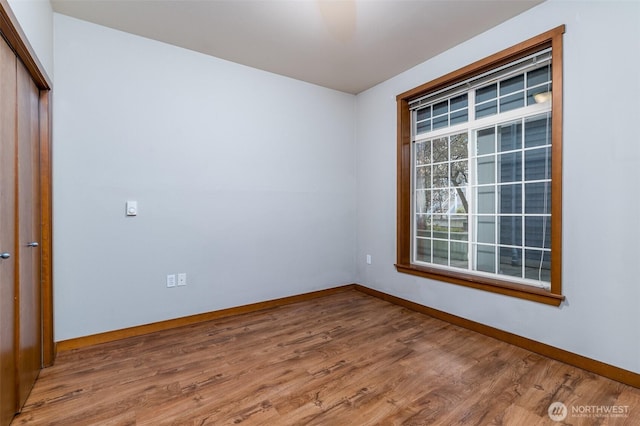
(29, 341)
(8, 403)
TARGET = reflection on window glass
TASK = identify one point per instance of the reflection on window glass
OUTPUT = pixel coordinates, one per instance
(537, 131)
(510, 230)
(510, 199)
(510, 136)
(511, 85)
(539, 76)
(486, 109)
(483, 189)
(440, 150)
(510, 166)
(538, 265)
(486, 258)
(423, 153)
(486, 170)
(459, 146)
(423, 113)
(537, 164)
(486, 93)
(486, 229)
(537, 231)
(486, 200)
(423, 177)
(459, 102)
(423, 250)
(486, 141)
(440, 108)
(537, 198)
(510, 261)
(423, 225)
(423, 201)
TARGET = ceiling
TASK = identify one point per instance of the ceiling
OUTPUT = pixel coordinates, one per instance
(347, 45)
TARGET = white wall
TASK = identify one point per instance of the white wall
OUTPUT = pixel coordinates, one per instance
(36, 20)
(245, 180)
(601, 257)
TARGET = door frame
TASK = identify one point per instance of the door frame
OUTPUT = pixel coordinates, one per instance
(11, 31)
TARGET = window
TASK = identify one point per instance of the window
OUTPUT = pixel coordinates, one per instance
(479, 173)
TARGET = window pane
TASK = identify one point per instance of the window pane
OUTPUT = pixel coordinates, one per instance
(486, 109)
(440, 252)
(460, 203)
(537, 131)
(459, 173)
(510, 167)
(486, 141)
(423, 249)
(441, 201)
(512, 102)
(481, 197)
(510, 136)
(441, 108)
(510, 261)
(440, 150)
(423, 152)
(511, 85)
(537, 164)
(423, 127)
(486, 229)
(539, 76)
(537, 198)
(486, 202)
(537, 231)
(458, 227)
(459, 117)
(423, 201)
(423, 177)
(486, 170)
(538, 265)
(441, 175)
(532, 92)
(440, 122)
(459, 102)
(510, 198)
(423, 225)
(510, 230)
(486, 93)
(458, 252)
(459, 146)
(486, 258)
(423, 113)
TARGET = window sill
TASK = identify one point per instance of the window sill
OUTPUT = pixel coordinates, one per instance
(495, 286)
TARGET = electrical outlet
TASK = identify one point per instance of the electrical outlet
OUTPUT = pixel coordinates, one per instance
(182, 279)
(171, 280)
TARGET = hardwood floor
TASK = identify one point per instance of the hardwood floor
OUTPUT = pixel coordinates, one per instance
(344, 359)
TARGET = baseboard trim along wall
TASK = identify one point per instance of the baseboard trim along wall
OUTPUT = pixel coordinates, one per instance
(110, 336)
(615, 373)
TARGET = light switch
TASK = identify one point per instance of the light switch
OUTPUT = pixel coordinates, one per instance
(132, 208)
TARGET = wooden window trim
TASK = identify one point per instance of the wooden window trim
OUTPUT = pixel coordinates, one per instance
(553, 39)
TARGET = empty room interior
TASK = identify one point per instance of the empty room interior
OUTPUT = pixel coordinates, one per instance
(319, 212)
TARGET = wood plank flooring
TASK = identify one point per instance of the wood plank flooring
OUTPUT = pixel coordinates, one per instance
(344, 359)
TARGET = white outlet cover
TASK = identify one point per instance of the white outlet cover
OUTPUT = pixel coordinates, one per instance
(182, 279)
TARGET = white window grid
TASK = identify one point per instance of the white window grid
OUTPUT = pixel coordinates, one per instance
(471, 127)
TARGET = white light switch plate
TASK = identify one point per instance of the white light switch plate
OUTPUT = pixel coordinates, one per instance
(132, 208)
